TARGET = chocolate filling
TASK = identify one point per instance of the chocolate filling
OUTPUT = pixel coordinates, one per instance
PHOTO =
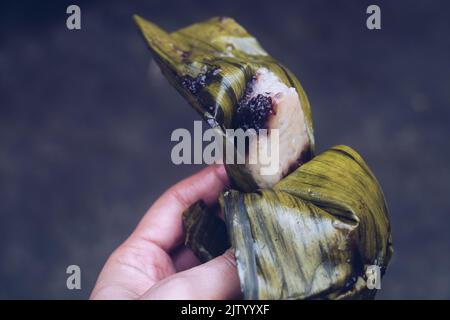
(253, 112)
(194, 85)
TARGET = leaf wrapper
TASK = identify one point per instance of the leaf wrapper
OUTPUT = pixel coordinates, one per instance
(312, 235)
(206, 233)
(210, 64)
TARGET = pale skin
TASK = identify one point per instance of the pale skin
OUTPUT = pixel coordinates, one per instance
(153, 263)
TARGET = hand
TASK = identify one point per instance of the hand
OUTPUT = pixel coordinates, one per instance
(153, 262)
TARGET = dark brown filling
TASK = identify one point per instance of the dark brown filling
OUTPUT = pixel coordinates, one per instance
(194, 85)
(253, 112)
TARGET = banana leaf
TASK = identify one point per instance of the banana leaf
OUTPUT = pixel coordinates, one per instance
(312, 235)
(206, 233)
(211, 64)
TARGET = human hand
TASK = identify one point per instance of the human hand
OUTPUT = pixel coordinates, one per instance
(153, 262)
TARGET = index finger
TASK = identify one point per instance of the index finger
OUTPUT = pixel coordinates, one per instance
(162, 224)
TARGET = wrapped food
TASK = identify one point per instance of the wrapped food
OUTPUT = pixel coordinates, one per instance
(234, 84)
(313, 226)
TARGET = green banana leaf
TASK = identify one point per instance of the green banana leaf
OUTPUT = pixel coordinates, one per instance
(206, 233)
(210, 64)
(313, 234)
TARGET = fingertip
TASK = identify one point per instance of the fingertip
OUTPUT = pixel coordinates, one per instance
(221, 174)
(162, 222)
(215, 280)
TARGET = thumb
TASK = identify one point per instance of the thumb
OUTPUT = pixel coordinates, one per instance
(216, 280)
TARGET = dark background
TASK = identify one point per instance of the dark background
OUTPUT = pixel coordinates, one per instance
(85, 124)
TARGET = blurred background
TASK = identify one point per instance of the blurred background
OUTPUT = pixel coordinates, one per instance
(85, 124)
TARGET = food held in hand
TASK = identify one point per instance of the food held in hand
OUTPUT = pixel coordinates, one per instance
(314, 226)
